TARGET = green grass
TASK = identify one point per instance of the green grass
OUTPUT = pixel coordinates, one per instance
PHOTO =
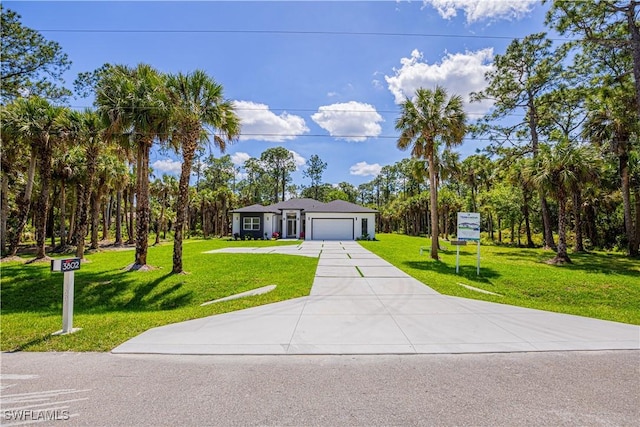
(599, 284)
(113, 305)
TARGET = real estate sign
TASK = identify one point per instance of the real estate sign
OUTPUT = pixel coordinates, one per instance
(469, 226)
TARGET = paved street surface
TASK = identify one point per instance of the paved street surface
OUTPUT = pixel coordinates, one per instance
(600, 388)
(361, 304)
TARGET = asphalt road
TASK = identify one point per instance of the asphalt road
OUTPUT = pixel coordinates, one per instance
(555, 389)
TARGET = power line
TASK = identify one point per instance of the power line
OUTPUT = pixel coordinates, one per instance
(317, 110)
(286, 32)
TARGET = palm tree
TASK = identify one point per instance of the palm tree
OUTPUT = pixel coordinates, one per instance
(15, 149)
(556, 171)
(586, 165)
(64, 162)
(36, 120)
(85, 128)
(611, 122)
(164, 191)
(431, 119)
(199, 103)
(134, 104)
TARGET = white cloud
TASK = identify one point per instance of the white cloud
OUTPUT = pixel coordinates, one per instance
(351, 121)
(261, 124)
(298, 159)
(459, 73)
(239, 158)
(167, 166)
(365, 169)
(480, 10)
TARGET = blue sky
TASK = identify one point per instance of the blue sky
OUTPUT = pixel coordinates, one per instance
(319, 78)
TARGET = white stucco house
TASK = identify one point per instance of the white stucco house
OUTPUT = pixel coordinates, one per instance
(306, 218)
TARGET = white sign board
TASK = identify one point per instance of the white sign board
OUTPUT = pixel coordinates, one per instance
(468, 226)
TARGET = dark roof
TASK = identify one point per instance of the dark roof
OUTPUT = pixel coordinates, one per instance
(341, 206)
(307, 205)
(257, 208)
(297, 204)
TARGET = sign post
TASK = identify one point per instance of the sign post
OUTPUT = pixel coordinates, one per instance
(469, 230)
(68, 267)
(457, 244)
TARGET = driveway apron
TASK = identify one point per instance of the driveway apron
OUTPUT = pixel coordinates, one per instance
(361, 304)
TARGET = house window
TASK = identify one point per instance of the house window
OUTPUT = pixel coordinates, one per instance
(251, 223)
(365, 226)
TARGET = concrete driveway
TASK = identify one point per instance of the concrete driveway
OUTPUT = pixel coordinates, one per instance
(361, 304)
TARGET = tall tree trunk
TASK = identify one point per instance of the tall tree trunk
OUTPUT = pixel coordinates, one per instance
(81, 219)
(106, 218)
(96, 202)
(527, 222)
(562, 256)
(43, 199)
(284, 182)
(632, 249)
(4, 212)
(546, 222)
(83, 201)
(125, 199)
(118, 241)
(499, 229)
(637, 194)
(513, 231)
(203, 214)
(188, 150)
(142, 205)
(445, 223)
(63, 213)
(590, 220)
(520, 232)
(51, 222)
(161, 220)
(72, 219)
(532, 116)
(434, 204)
(634, 30)
(491, 230)
(130, 238)
(24, 205)
(577, 218)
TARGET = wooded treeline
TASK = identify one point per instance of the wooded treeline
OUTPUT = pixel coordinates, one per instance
(562, 160)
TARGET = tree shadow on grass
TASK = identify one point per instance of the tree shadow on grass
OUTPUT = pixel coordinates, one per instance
(605, 264)
(590, 262)
(37, 289)
(466, 272)
(35, 341)
(145, 299)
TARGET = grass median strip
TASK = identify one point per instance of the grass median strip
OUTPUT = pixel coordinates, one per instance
(602, 285)
(113, 305)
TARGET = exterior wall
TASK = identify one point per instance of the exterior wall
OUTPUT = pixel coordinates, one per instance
(358, 232)
(256, 234)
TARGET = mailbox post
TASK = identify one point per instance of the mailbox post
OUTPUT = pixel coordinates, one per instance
(67, 266)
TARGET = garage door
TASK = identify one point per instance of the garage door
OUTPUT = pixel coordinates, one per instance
(332, 229)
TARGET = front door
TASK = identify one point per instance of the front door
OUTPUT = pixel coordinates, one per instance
(291, 227)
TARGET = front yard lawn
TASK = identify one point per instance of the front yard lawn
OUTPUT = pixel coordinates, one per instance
(113, 305)
(599, 284)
